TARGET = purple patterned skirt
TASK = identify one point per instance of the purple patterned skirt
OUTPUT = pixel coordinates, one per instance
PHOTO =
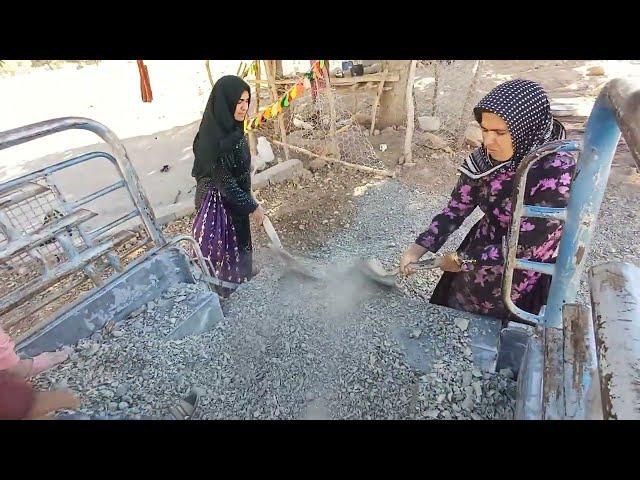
(214, 230)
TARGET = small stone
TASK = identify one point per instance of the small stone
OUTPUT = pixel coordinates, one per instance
(123, 406)
(61, 385)
(467, 378)
(181, 298)
(91, 350)
(117, 333)
(477, 388)
(435, 142)
(467, 403)
(301, 227)
(415, 333)
(113, 405)
(462, 323)
(596, 71)
(507, 372)
(475, 416)
(317, 164)
(440, 398)
(473, 135)
(122, 390)
(372, 359)
(432, 413)
(107, 393)
(376, 132)
(429, 123)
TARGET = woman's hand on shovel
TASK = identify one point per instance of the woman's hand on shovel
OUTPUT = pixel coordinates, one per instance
(411, 255)
(450, 262)
(258, 215)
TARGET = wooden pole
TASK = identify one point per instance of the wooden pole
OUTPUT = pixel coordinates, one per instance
(208, 67)
(376, 102)
(411, 119)
(253, 145)
(362, 168)
(467, 102)
(269, 66)
(436, 78)
(332, 108)
(258, 85)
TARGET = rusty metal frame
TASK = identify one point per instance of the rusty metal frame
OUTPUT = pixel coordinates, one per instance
(510, 245)
(616, 111)
(98, 244)
(125, 168)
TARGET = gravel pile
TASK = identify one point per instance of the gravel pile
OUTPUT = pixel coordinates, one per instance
(289, 348)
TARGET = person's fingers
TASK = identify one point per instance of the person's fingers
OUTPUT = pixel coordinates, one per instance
(409, 269)
(404, 261)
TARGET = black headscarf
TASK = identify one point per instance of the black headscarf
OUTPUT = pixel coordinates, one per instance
(525, 108)
(219, 131)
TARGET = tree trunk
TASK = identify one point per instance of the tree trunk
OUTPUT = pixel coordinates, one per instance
(393, 108)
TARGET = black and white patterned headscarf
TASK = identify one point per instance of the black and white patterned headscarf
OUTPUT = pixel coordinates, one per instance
(525, 108)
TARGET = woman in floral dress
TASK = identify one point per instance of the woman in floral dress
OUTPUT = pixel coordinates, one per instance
(515, 119)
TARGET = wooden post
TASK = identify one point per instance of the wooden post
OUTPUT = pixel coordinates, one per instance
(253, 145)
(208, 67)
(376, 102)
(436, 77)
(467, 101)
(332, 108)
(354, 90)
(361, 168)
(269, 66)
(408, 137)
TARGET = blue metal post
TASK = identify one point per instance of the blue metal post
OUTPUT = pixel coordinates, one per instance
(587, 190)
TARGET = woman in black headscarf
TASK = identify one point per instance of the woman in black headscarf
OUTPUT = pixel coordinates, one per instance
(222, 169)
(516, 119)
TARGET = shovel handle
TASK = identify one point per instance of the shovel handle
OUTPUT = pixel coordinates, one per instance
(435, 262)
(271, 232)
